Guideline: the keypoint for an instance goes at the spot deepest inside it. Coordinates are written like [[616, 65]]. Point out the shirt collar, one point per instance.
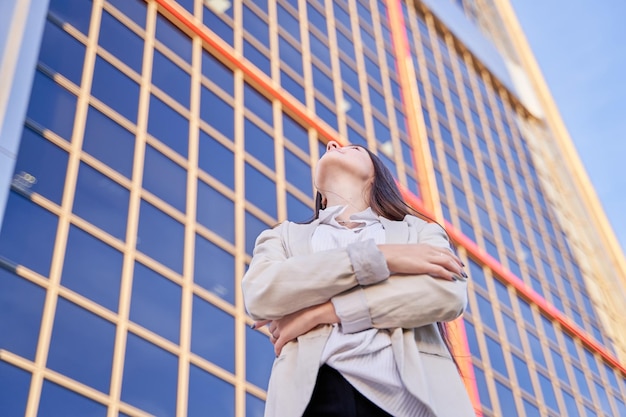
[[329, 216]]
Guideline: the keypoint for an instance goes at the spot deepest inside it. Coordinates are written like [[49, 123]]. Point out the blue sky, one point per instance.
[[579, 45]]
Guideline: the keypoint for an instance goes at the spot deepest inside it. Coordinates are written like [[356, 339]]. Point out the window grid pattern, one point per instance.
[[491, 192]]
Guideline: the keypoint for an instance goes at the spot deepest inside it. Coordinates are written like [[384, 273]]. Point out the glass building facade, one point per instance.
[[154, 140]]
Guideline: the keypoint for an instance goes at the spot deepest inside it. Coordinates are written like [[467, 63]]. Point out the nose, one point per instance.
[[332, 145]]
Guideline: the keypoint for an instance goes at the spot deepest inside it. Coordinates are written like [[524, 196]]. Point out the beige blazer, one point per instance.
[[285, 276]]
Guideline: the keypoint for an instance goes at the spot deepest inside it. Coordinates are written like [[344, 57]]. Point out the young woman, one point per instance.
[[355, 301]]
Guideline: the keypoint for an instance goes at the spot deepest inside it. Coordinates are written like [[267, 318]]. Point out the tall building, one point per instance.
[[145, 144]]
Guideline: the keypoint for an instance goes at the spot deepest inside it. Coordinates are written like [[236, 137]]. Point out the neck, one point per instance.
[[356, 199]]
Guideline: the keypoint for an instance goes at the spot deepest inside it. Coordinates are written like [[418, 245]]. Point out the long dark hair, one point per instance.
[[386, 200]]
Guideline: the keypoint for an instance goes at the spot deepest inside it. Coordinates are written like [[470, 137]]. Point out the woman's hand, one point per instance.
[[423, 258], [288, 328]]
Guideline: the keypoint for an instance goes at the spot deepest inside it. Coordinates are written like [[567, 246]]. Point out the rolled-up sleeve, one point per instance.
[[353, 311], [370, 266]]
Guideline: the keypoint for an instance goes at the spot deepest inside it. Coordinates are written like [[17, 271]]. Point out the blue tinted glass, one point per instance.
[[170, 78], [217, 72], [109, 142], [350, 76], [259, 105], [319, 49], [477, 275], [115, 89], [216, 112], [135, 9], [259, 144], [512, 331], [548, 391], [121, 41], [345, 44], [217, 160], [75, 12], [604, 400], [296, 210], [298, 173], [101, 201], [470, 332], [535, 347], [47, 95], [21, 307], [209, 395], [187, 4], [507, 402], [15, 384], [62, 53], [581, 379], [92, 268], [259, 358], [496, 356], [483, 391], [213, 334], [531, 410], [27, 234], [486, 312], [58, 401], [288, 22], [155, 303], [173, 38], [257, 57], [292, 86], [571, 346], [322, 83], [217, 25], [214, 269], [260, 190], [168, 126], [591, 362], [254, 227], [216, 211], [160, 237], [503, 294], [165, 178], [256, 26], [523, 377], [570, 405], [295, 133], [150, 377], [82, 346], [254, 405], [290, 55], [40, 166]]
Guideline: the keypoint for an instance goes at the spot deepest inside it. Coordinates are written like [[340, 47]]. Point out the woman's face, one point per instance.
[[349, 162]]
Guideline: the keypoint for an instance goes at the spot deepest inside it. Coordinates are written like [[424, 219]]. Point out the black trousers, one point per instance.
[[333, 396]]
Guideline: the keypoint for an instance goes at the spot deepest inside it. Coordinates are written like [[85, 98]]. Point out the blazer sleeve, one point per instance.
[[405, 301], [277, 284]]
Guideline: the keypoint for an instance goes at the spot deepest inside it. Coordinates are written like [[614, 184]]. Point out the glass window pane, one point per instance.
[[209, 395], [135, 9], [290, 55], [52, 106], [258, 58], [297, 211], [119, 40], [92, 268], [58, 401], [512, 331], [254, 227], [217, 160], [483, 391], [27, 234], [109, 142], [217, 72], [548, 392], [216, 211], [115, 89], [160, 237], [254, 405], [173, 38], [155, 303], [21, 307], [535, 346], [258, 104], [214, 269], [523, 377], [165, 178], [15, 384], [217, 25], [259, 144], [298, 173], [213, 334], [150, 377], [486, 312], [170, 78], [62, 53], [75, 12], [507, 402], [256, 26], [496, 356], [260, 190], [168, 126], [259, 358], [82, 346], [40, 166], [216, 112], [101, 201]]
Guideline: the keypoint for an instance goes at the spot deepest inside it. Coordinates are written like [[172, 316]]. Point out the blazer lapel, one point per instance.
[[300, 237], [395, 232]]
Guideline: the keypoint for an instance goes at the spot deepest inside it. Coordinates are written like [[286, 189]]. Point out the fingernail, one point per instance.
[[454, 278], [463, 264], [463, 274], [253, 326]]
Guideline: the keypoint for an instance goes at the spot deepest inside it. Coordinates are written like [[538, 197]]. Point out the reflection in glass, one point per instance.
[[21, 306], [58, 401], [52, 106], [92, 268], [170, 78], [507, 402], [209, 395], [165, 178], [160, 237], [217, 160], [214, 269], [298, 173], [81, 346], [27, 234], [109, 142], [173, 38], [259, 358], [258, 104], [119, 40], [260, 190], [168, 126], [75, 12], [62, 53], [101, 201], [115, 89], [254, 406], [135, 9], [150, 377], [297, 211], [15, 384], [216, 211], [40, 166], [217, 72], [217, 113], [155, 303], [254, 227], [296, 133], [213, 334], [259, 144]]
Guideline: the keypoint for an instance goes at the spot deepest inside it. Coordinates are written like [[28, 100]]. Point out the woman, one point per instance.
[[353, 300]]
